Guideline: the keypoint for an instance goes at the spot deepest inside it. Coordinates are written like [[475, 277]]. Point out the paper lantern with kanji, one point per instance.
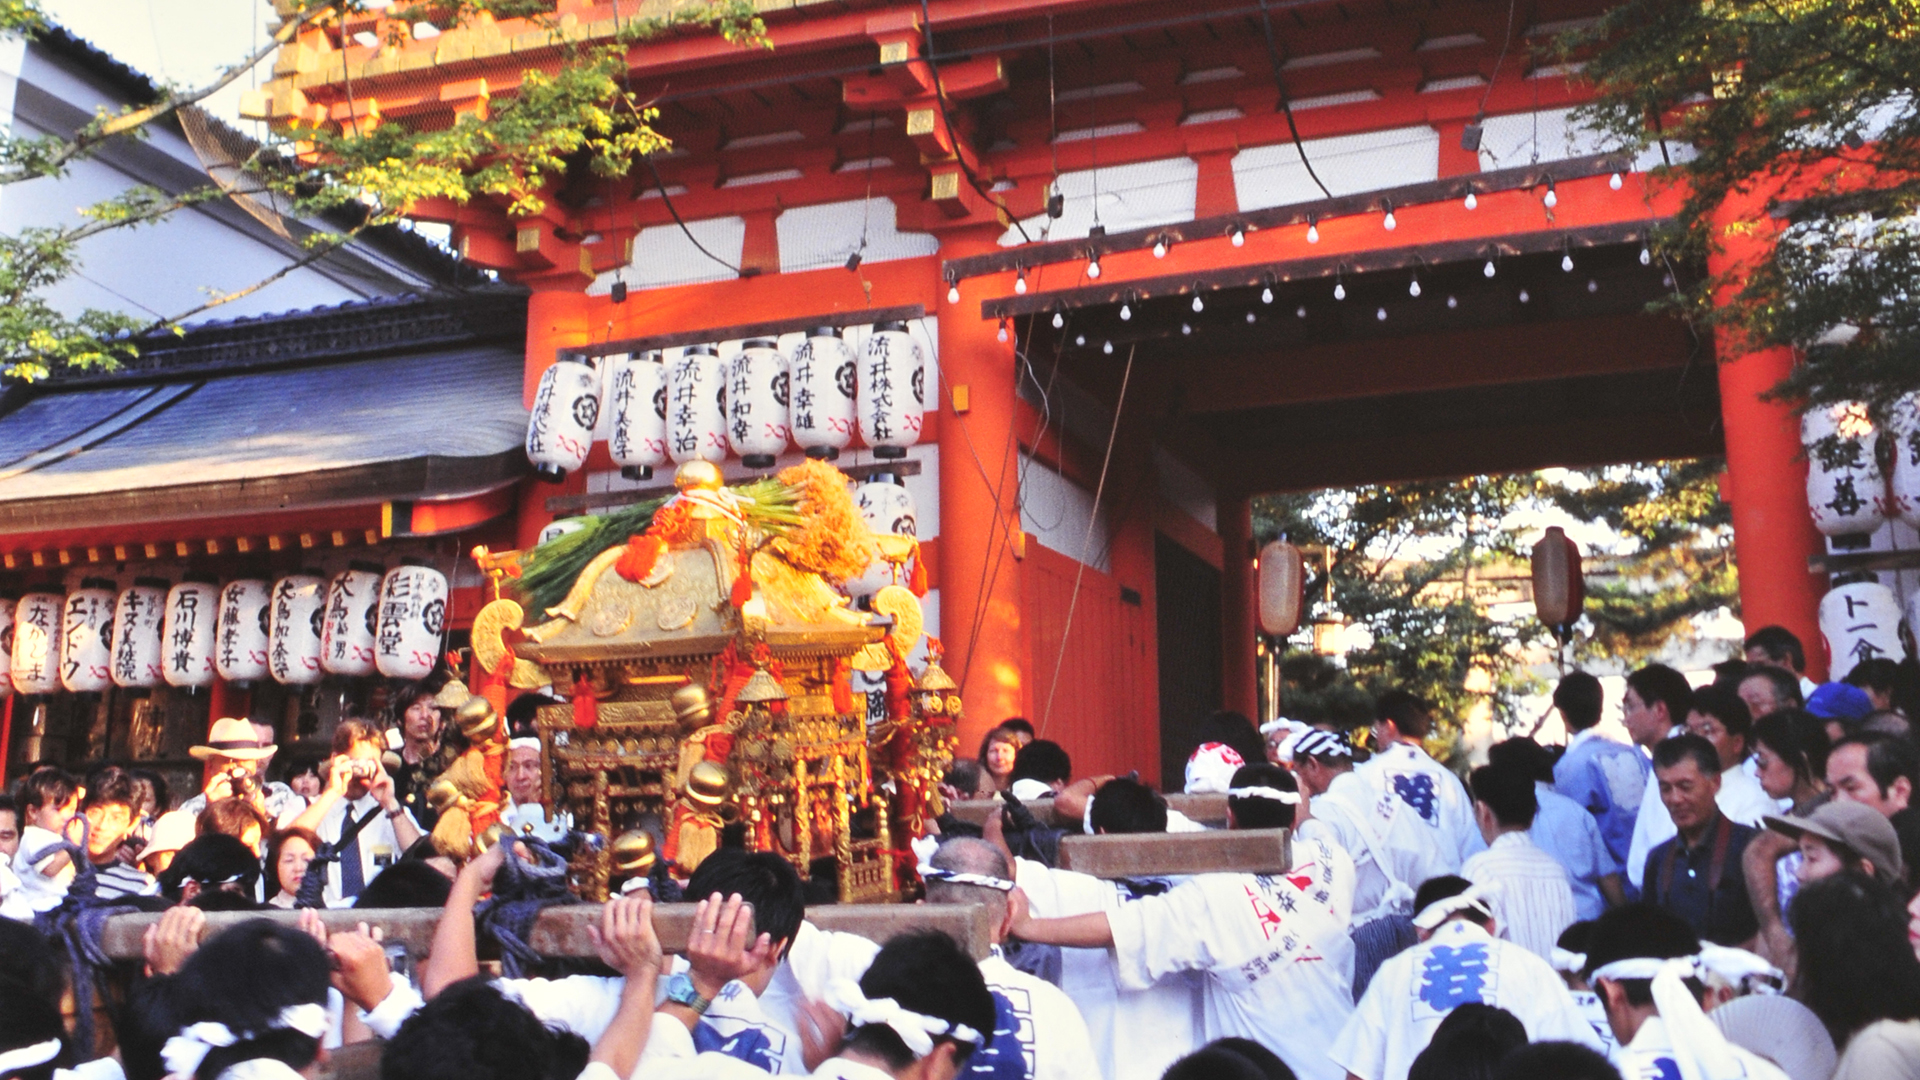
[[244, 635], [1283, 583], [413, 612], [86, 645], [6, 645], [189, 632], [892, 390], [1846, 492], [697, 405], [757, 403], [137, 619], [35, 663], [638, 401], [346, 627], [294, 628], [565, 410], [1860, 621], [1903, 483], [1559, 589], [822, 406]]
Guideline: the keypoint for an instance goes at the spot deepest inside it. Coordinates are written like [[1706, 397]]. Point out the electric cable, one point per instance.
[[1286, 107]]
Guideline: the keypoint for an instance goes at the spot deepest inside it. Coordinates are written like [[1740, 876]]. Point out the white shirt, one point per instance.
[[1534, 902], [1387, 840], [1038, 1034], [1595, 1011], [36, 892], [378, 847], [1437, 797], [283, 804], [1741, 798], [1650, 1056], [1459, 964], [1275, 950], [1136, 1032]]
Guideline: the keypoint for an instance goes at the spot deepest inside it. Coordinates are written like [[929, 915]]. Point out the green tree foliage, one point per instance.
[[581, 117], [1807, 107]]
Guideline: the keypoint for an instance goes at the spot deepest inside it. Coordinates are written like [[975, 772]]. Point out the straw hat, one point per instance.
[[236, 739]]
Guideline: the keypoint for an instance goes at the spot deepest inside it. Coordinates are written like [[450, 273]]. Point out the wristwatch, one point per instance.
[[680, 991]]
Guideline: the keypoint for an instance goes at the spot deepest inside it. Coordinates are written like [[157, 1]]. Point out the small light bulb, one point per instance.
[[1250, 317], [1126, 312], [1266, 296], [1592, 285], [1615, 181], [1553, 198], [1413, 287], [1524, 297], [1020, 283], [1390, 223], [1381, 315], [953, 294], [1093, 268], [1339, 290], [1198, 305], [1566, 262], [1186, 328], [1239, 237], [1666, 280], [1079, 339], [1488, 269], [1300, 312], [1646, 257], [1472, 200], [1453, 302], [1313, 234], [1107, 348], [1159, 249], [1003, 333], [1059, 320]]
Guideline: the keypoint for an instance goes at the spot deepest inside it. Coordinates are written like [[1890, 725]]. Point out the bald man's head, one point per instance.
[[971, 855]]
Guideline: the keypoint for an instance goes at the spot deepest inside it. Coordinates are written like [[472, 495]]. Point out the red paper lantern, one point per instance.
[[1283, 582], [1559, 591]]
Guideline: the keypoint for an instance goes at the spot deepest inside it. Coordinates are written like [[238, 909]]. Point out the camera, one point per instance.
[[239, 782]]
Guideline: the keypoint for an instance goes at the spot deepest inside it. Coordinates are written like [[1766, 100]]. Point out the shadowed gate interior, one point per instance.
[[1188, 614]]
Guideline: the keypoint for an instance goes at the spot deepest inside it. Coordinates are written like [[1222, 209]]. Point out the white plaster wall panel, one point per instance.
[[824, 234], [1273, 175], [1135, 196], [1555, 135], [664, 255], [1186, 489], [1061, 515]]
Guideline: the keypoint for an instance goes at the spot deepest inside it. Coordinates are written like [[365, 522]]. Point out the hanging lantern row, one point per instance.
[[365, 620], [1848, 493], [753, 404]]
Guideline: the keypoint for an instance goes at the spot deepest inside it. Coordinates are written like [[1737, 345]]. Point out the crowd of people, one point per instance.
[[1726, 893]]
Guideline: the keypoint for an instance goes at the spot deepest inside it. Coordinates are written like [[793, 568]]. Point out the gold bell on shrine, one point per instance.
[[633, 853], [453, 695], [477, 719], [761, 689], [707, 783], [443, 795], [691, 706]]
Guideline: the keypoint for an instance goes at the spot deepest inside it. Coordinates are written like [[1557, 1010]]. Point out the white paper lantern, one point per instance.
[[1846, 492], [293, 638], [413, 611], [697, 406], [561, 528], [346, 627], [6, 645], [35, 663], [136, 633], [190, 630], [892, 389], [240, 650], [888, 509], [823, 409], [1903, 431], [86, 642], [638, 401], [757, 400], [565, 410], [1860, 621]]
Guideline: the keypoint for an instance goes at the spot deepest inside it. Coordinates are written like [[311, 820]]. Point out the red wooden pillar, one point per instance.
[[224, 699], [1773, 533], [6, 736], [556, 319], [980, 569], [1238, 672]]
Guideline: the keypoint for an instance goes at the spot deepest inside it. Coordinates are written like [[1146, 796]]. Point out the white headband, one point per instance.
[[1702, 1050], [1441, 910], [1271, 794], [26, 1057], [1316, 743], [1733, 965], [1573, 963], [184, 1052], [955, 877], [915, 1029], [524, 742]]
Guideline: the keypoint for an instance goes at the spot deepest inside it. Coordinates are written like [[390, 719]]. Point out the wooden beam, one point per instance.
[[904, 313], [1250, 851], [1849, 561], [562, 931], [1205, 809]]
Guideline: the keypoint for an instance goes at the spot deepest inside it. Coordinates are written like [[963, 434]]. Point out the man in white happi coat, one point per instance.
[[1400, 767], [1459, 961], [1274, 948], [1136, 1031], [1038, 1034]]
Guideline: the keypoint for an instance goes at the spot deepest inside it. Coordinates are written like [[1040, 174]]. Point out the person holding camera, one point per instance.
[[358, 814], [235, 757]]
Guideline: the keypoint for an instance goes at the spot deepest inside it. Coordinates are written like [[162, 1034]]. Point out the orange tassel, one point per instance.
[[586, 711], [638, 560], [743, 582], [917, 581], [842, 686]]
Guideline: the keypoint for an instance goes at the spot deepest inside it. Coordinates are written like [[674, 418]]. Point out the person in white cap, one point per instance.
[[1458, 961], [235, 760], [1274, 948], [526, 814], [1645, 964]]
